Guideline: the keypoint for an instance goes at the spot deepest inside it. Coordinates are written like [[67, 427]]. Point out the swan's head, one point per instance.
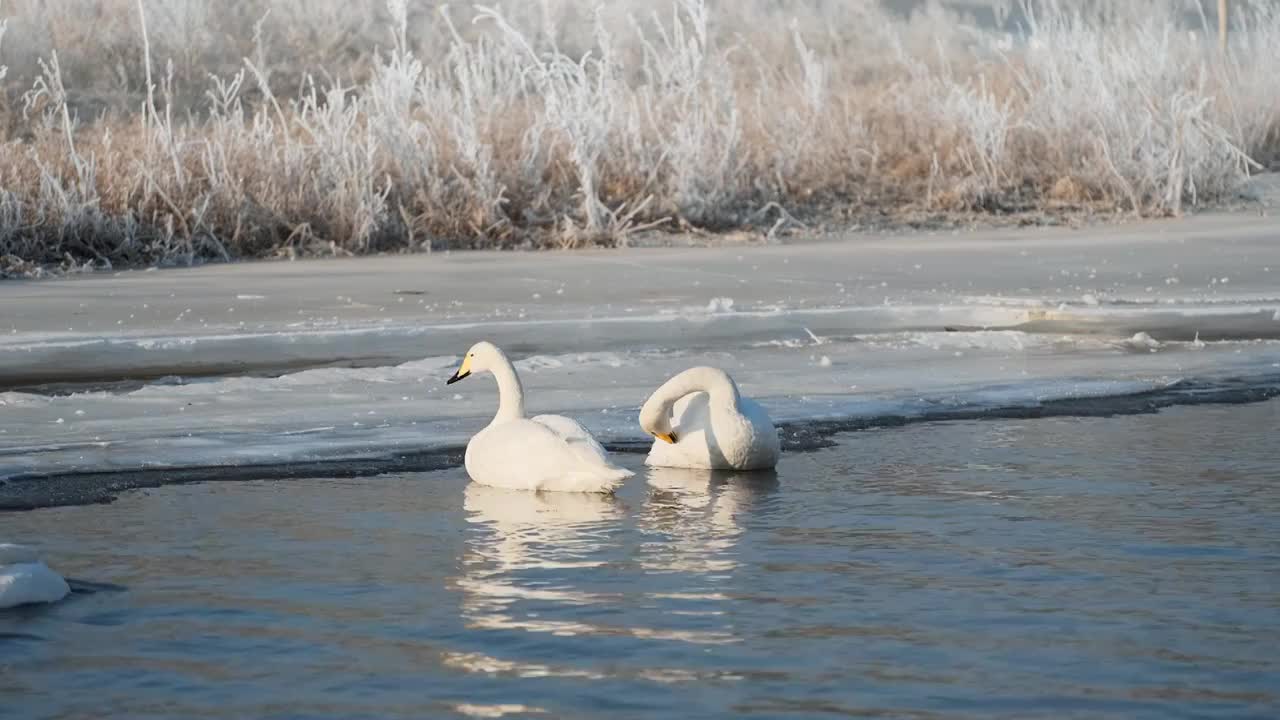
[[482, 357], [655, 419]]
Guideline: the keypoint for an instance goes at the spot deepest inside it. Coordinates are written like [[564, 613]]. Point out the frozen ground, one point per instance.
[[276, 364]]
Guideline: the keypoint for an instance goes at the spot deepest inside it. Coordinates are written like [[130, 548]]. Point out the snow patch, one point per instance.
[[537, 363], [1143, 341], [720, 305]]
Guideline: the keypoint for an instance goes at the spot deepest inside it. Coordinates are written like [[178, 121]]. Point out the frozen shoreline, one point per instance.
[[139, 374], [1213, 274]]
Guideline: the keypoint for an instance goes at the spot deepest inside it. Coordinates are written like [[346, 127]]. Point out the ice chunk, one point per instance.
[[1143, 341], [720, 305], [25, 580]]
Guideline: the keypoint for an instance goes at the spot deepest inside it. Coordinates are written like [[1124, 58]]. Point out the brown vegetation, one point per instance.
[[148, 131]]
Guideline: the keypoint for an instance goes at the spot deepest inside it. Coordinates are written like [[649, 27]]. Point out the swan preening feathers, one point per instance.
[[545, 452], [701, 420]]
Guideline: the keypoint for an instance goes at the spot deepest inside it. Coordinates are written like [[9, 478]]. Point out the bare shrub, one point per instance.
[[174, 131]]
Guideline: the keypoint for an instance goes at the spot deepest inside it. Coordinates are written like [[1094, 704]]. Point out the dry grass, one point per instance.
[[171, 131]]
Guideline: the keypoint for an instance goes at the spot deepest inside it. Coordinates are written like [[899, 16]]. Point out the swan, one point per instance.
[[545, 452], [701, 421], [25, 580]]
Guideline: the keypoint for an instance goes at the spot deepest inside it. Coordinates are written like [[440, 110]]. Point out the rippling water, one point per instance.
[[1114, 567]]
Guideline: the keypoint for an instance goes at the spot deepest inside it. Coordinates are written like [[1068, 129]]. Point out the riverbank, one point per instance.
[[338, 366]]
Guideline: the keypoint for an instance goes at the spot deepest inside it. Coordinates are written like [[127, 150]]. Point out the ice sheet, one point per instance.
[[282, 363]]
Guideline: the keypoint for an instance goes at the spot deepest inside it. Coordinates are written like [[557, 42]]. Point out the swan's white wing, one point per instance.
[[766, 445], [572, 432], [532, 455], [517, 454], [585, 447]]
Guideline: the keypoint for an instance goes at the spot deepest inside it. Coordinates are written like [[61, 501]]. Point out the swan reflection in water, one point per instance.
[[699, 513], [532, 547], [541, 562]]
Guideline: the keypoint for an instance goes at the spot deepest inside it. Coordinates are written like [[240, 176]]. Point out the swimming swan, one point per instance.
[[546, 452], [701, 421], [25, 580]]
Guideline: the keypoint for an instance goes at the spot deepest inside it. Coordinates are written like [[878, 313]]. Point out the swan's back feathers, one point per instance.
[[766, 435], [587, 449], [572, 432], [541, 454]]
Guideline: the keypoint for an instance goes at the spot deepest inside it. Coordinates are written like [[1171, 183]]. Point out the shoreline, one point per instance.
[[22, 493], [340, 363], [1259, 196]]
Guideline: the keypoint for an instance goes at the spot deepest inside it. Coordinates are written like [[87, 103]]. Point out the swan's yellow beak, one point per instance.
[[463, 371], [666, 437]]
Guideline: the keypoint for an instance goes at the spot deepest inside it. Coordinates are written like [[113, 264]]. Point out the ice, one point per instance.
[[322, 363], [538, 363], [1143, 341], [26, 580], [325, 414], [720, 305]]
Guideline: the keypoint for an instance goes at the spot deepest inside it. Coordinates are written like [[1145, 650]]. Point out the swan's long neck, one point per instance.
[[716, 383], [510, 391]]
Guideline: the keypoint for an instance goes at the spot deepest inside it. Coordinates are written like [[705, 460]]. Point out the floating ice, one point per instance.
[[26, 580], [1143, 341], [720, 305]]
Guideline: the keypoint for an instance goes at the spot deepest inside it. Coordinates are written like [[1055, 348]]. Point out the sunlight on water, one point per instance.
[[1108, 567]]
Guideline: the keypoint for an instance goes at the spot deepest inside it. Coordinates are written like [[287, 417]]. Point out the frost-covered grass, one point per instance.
[[144, 131]]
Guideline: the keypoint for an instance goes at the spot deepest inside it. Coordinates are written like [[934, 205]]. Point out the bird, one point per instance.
[[700, 420], [545, 452]]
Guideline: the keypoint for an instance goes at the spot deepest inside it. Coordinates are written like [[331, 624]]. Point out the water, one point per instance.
[[1066, 567]]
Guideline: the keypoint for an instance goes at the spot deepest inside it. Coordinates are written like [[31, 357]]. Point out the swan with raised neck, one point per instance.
[[545, 452]]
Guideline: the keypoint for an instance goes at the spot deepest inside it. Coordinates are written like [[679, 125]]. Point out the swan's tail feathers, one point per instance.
[[605, 479]]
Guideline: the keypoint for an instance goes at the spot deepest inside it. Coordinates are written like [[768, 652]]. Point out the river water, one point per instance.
[[1059, 567]]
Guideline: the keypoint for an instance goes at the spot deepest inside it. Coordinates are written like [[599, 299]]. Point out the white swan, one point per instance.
[[701, 421], [546, 452], [25, 580]]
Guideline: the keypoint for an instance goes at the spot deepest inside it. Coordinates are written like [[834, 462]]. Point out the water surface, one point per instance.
[[1065, 567]]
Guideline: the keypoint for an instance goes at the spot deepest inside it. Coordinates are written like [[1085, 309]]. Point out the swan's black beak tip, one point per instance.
[[666, 437], [456, 377]]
